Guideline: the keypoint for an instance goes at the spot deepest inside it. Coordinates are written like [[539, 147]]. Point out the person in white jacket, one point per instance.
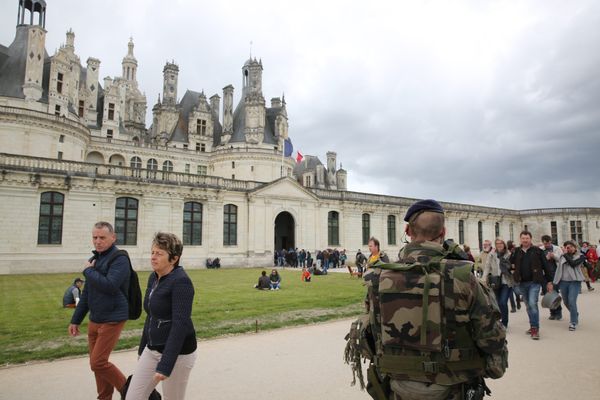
[[568, 278], [497, 275], [553, 254]]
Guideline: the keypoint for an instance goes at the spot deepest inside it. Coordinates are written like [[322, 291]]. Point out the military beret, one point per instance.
[[421, 206]]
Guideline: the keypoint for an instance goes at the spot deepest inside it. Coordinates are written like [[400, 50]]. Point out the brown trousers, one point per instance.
[[102, 339]]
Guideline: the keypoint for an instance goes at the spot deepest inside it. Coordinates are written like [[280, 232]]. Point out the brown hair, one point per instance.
[[169, 243], [375, 241]]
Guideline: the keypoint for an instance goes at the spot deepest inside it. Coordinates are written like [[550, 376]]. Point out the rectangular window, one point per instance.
[[60, 155], [111, 111], [391, 225], [554, 232], [51, 218], [497, 229], [307, 182], [61, 139], [185, 146], [512, 232], [480, 234], [233, 177], [81, 108], [230, 225], [201, 169], [197, 146], [333, 228], [461, 232], [57, 110], [252, 168], [187, 168], [202, 148], [576, 231], [109, 133], [366, 228], [192, 224], [201, 127], [59, 82], [126, 216], [233, 165]]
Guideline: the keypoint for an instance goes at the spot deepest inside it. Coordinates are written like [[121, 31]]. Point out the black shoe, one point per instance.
[[552, 318], [513, 310]]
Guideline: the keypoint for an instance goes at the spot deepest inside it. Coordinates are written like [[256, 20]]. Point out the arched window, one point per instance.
[[192, 223], [136, 166], [152, 166], [480, 234], [391, 226], [51, 218], [126, 216], [497, 229], [230, 225], [167, 166], [366, 228], [136, 162], [333, 228], [461, 231]]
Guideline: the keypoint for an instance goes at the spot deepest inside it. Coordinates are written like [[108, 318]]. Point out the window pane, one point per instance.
[[187, 216], [44, 209], [120, 213], [58, 210], [46, 197], [131, 214]]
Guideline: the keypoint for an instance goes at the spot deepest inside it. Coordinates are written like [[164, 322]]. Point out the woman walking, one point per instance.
[[497, 273], [568, 277], [168, 347]]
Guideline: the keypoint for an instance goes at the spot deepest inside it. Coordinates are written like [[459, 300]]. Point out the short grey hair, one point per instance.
[[104, 224]]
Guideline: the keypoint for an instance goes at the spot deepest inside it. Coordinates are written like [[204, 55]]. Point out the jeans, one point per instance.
[[531, 293], [275, 285], [102, 339], [570, 291], [502, 295]]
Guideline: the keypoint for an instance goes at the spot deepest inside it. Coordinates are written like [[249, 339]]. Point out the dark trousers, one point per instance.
[[102, 339]]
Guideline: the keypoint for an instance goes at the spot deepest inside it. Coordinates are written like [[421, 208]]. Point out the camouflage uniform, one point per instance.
[[463, 340]]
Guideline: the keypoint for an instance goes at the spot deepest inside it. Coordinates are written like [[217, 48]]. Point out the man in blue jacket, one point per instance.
[[105, 298]]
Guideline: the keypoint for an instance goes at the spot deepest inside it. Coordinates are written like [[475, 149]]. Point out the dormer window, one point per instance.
[[201, 127]]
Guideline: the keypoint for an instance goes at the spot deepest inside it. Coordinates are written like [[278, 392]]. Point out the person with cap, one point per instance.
[[432, 330], [568, 278], [72, 294]]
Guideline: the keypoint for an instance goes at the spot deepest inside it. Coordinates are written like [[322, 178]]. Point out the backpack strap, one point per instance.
[[114, 257]]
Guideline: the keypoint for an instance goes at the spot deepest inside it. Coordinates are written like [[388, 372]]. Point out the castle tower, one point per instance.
[[227, 114], [91, 83], [130, 65], [35, 36], [255, 115], [170, 75], [252, 77], [331, 156]]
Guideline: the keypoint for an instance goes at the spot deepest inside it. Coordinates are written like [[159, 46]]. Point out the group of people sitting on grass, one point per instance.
[[271, 282]]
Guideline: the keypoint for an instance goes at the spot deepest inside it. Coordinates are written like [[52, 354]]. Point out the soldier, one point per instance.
[[432, 330]]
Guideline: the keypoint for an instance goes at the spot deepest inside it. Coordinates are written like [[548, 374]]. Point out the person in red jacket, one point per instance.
[[592, 258], [305, 277]]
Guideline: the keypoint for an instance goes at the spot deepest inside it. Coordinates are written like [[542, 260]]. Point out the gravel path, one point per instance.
[[306, 363]]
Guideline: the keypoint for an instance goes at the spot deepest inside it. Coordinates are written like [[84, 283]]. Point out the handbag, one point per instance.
[[494, 282], [155, 395]]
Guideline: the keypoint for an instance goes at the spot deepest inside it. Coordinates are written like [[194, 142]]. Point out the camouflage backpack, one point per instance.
[[411, 330]]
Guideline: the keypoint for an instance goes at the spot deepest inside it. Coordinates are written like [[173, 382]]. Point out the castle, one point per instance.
[[76, 150]]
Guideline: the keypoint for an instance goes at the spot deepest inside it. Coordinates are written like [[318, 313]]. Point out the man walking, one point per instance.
[[552, 254], [531, 272], [105, 298]]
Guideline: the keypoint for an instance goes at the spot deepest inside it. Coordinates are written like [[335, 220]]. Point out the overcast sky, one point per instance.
[[489, 103]]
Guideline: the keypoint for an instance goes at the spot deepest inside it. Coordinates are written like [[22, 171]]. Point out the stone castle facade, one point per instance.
[[75, 149]]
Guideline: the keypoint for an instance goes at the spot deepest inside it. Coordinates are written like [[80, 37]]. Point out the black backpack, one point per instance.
[[134, 293]]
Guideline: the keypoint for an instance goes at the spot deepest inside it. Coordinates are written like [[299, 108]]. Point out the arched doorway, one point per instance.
[[284, 231]]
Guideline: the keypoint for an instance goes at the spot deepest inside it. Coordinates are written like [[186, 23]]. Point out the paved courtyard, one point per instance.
[[306, 363]]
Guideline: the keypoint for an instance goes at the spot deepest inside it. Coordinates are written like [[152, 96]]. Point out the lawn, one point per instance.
[[33, 325]]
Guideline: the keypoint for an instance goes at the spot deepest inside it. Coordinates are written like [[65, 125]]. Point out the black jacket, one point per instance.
[[540, 270], [168, 328], [105, 288]]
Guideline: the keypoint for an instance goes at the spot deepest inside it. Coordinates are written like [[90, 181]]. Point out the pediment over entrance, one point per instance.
[[284, 188]]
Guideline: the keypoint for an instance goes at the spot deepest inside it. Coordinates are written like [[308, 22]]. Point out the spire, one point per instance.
[[130, 47]]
